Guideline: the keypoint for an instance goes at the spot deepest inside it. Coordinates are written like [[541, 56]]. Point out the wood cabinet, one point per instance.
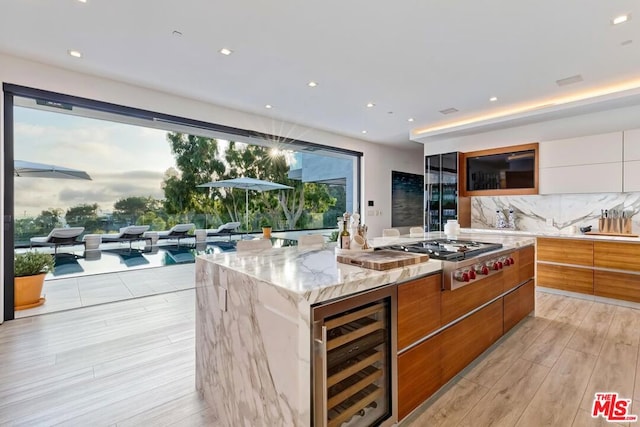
[[509, 170], [418, 309], [526, 263], [467, 298], [425, 368], [566, 251], [617, 285], [465, 340], [616, 255], [566, 278], [426, 359], [518, 304], [419, 374], [597, 277]]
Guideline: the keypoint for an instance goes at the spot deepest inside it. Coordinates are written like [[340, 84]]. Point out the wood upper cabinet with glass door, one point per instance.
[[501, 171]]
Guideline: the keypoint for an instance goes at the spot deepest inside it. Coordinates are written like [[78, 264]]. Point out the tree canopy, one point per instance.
[[282, 208]]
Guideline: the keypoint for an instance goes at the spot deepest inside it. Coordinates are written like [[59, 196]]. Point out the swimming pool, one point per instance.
[[121, 258]]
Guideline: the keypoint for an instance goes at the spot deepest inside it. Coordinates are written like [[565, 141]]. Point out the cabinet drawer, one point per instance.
[[620, 256], [526, 263], [518, 304], [566, 278], [565, 251], [419, 374], [511, 273], [467, 298], [617, 285], [464, 341], [418, 309]]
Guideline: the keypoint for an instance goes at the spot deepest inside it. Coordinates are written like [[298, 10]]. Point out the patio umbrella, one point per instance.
[[40, 170], [247, 184]]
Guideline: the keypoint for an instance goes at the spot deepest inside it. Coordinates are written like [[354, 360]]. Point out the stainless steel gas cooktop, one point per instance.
[[448, 250]]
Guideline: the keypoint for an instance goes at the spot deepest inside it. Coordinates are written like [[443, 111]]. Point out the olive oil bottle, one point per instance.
[[345, 236]]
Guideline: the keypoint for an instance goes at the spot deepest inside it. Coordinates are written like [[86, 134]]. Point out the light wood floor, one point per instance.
[[131, 363]]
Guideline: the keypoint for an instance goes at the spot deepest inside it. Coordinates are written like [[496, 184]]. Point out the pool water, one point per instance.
[[122, 258]]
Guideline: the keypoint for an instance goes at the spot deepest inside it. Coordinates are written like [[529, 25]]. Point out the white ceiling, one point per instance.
[[412, 58]]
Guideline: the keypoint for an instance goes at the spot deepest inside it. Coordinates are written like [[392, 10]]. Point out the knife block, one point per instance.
[[615, 225]]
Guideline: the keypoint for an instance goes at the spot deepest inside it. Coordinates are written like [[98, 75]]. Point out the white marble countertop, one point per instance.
[[551, 233], [315, 275]]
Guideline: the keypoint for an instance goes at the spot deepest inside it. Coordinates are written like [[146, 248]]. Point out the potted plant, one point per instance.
[[266, 228], [29, 270]]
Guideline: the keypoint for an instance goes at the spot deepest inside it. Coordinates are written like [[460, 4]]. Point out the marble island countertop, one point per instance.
[[314, 274]]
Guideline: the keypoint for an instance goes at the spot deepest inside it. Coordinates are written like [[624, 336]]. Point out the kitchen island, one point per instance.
[[253, 326]]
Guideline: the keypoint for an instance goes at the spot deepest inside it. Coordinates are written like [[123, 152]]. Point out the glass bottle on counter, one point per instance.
[[345, 236]]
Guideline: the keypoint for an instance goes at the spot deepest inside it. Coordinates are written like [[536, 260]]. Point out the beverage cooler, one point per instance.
[[353, 364], [442, 189]]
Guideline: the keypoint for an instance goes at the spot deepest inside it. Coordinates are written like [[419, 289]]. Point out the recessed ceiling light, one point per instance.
[[268, 106], [626, 42], [371, 105], [449, 110], [620, 19], [410, 119], [226, 51], [312, 84], [74, 53], [493, 99], [364, 131], [82, 1]]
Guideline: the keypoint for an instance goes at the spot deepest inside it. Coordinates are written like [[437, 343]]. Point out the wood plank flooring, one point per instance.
[[131, 363]]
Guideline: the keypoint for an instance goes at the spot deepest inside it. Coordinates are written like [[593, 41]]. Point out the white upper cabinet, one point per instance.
[[589, 164], [585, 150], [632, 144], [631, 163]]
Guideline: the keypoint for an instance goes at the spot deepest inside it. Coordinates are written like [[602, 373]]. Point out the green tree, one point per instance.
[[197, 163], [278, 207], [84, 215], [131, 208], [48, 219]]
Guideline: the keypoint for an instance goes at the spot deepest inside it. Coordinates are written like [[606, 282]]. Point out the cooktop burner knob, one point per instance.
[[461, 276], [485, 270], [472, 274], [500, 265], [512, 261], [507, 262]]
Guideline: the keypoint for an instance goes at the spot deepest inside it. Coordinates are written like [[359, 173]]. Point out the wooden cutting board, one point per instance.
[[382, 260]]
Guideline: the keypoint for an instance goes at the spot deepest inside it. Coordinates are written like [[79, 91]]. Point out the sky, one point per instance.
[[122, 160]]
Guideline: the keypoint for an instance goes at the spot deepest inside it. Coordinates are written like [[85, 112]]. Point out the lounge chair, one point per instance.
[[59, 237], [178, 231], [131, 233], [224, 230]]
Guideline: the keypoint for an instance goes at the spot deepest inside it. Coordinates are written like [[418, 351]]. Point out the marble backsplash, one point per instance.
[[566, 210]]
